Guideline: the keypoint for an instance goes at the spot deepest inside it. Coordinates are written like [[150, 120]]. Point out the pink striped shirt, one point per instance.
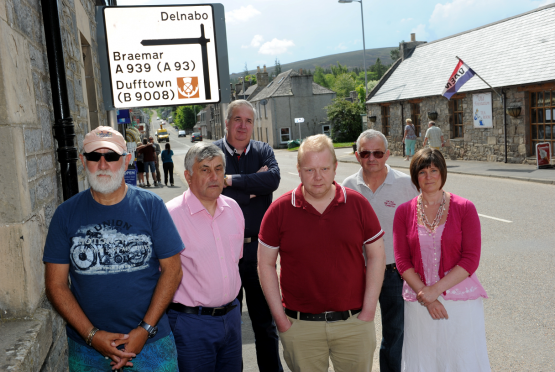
[[213, 247]]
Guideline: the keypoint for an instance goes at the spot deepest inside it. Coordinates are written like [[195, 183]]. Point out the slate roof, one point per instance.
[[514, 51], [281, 87]]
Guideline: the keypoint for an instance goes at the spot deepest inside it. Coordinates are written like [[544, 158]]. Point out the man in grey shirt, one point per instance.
[[157, 163], [385, 189]]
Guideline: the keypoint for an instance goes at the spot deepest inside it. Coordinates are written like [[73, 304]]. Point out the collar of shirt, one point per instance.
[[232, 151], [298, 200], [389, 179], [194, 205]]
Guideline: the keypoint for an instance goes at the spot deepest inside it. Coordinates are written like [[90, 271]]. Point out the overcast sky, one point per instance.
[[259, 31]]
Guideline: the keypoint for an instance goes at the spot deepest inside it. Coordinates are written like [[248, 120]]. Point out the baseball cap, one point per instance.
[[105, 137]]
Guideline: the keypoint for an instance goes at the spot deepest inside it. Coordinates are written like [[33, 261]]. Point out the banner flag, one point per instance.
[[460, 75]]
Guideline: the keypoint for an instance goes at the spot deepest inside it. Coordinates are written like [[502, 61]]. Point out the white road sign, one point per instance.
[[162, 55], [299, 120]]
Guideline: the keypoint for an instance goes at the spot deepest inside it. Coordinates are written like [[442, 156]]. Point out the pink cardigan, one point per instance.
[[461, 240]]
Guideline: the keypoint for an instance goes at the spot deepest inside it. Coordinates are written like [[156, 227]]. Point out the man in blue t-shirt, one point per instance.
[[120, 248]]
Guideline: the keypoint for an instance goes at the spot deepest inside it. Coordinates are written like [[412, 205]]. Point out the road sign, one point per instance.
[[299, 120], [164, 55]]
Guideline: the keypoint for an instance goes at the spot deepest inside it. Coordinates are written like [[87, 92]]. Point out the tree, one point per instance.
[[344, 84], [320, 77], [277, 68], [251, 78], [346, 119], [339, 69], [394, 54], [379, 69], [185, 117]]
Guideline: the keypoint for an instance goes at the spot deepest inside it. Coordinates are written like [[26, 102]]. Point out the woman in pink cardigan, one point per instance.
[[437, 243]]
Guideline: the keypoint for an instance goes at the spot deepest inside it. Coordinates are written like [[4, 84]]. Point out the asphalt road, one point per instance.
[[516, 267]]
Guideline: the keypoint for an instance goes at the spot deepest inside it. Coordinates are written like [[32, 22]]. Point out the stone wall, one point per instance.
[[30, 190], [487, 144]]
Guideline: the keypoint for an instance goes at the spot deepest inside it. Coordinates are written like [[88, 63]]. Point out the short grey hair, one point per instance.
[[432, 122], [369, 134], [201, 151], [238, 103]]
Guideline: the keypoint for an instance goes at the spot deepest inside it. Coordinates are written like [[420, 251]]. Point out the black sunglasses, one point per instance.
[[377, 154], [95, 156]]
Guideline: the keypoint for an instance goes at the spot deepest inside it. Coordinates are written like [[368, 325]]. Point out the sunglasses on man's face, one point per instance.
[[95, 156], [377, 154]]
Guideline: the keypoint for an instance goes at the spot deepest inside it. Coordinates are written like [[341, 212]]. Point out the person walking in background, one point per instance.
[[434, 136], [149, 159], [167, 164], [409, 139], [204, 314], [252, 175], [156, 158], [385, 188], [437, 244], [141, 169]]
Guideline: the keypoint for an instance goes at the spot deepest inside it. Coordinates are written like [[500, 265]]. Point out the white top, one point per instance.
[[396, 190]]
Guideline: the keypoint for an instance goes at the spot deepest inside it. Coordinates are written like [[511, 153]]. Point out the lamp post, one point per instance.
[[363, 45]]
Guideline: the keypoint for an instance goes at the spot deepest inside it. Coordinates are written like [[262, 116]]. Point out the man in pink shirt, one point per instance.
[[204, 314]]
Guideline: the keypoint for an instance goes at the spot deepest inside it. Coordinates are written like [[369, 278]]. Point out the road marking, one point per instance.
[[494, 218], [294, 174]]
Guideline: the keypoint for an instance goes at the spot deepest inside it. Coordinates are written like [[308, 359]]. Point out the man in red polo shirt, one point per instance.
[[328, 293]]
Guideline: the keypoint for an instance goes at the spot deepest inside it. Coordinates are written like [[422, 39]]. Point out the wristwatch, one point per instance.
[[225, 181], [152, 331]]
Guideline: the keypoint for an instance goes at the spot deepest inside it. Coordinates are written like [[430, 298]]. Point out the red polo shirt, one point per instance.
[[322, 266]]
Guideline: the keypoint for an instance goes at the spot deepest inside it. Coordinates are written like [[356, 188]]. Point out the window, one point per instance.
[[542, 112], [385, 120], [415, 117], [326, 129], [285, 134], [458, 129]]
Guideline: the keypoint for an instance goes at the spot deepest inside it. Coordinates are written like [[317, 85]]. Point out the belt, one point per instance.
[[391, 267], [328, 316], [213, 311], [249, 239]]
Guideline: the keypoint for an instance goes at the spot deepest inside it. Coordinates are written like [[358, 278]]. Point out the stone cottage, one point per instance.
[[511, 55], [289, 96]]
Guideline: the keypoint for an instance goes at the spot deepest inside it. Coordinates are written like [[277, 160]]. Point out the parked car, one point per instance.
[[182, 133], [196, 137]]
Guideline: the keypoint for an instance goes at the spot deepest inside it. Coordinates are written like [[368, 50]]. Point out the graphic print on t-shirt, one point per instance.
[[101, 249]]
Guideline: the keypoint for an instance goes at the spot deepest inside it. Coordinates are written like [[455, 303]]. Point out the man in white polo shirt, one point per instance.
[[385, 189]]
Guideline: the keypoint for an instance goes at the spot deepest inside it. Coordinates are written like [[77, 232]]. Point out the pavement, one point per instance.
[[520, 172]]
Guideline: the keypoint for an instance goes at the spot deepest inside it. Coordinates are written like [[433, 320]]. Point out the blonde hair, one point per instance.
[[409, 121], [316, 143]]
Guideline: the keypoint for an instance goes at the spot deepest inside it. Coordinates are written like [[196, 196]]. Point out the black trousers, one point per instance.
[[263, 325], [168, 167]]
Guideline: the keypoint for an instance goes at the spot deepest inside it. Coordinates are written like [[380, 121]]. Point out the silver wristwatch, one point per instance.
[[150, 329]]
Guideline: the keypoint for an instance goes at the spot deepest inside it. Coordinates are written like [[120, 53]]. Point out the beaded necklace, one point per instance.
[[435, 223]]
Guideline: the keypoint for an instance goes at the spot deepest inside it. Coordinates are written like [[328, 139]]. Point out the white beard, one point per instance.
[[105, 185]]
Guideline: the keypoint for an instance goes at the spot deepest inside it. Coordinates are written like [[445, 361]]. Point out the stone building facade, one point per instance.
[[412, 88], [32, 333]]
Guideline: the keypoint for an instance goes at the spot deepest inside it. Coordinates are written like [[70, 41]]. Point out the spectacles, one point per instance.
[[95, 156], [377, 154]]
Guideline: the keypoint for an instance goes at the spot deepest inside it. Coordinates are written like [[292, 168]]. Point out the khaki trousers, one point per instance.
[[350, 344]]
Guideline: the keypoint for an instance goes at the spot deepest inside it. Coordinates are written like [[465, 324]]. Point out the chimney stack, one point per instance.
[[412, 37], [262, 78]]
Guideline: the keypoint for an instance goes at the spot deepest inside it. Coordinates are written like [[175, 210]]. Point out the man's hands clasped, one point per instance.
[[106, 344]]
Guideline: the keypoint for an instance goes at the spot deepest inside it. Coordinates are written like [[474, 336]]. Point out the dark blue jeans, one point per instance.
[[393, 314], [207, 343], [263, 325]]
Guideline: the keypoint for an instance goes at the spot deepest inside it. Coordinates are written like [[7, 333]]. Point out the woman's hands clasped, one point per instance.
[[428, 297]]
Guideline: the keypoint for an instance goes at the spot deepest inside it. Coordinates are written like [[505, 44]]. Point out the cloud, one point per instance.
[[341, 46], [242, 14], [543, 3], [275, 46], [255, 43]]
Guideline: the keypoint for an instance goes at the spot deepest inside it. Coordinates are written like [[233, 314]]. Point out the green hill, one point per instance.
[[351, 59]]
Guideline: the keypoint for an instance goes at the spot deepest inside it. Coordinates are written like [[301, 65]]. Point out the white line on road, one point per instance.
[[494, 218]]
